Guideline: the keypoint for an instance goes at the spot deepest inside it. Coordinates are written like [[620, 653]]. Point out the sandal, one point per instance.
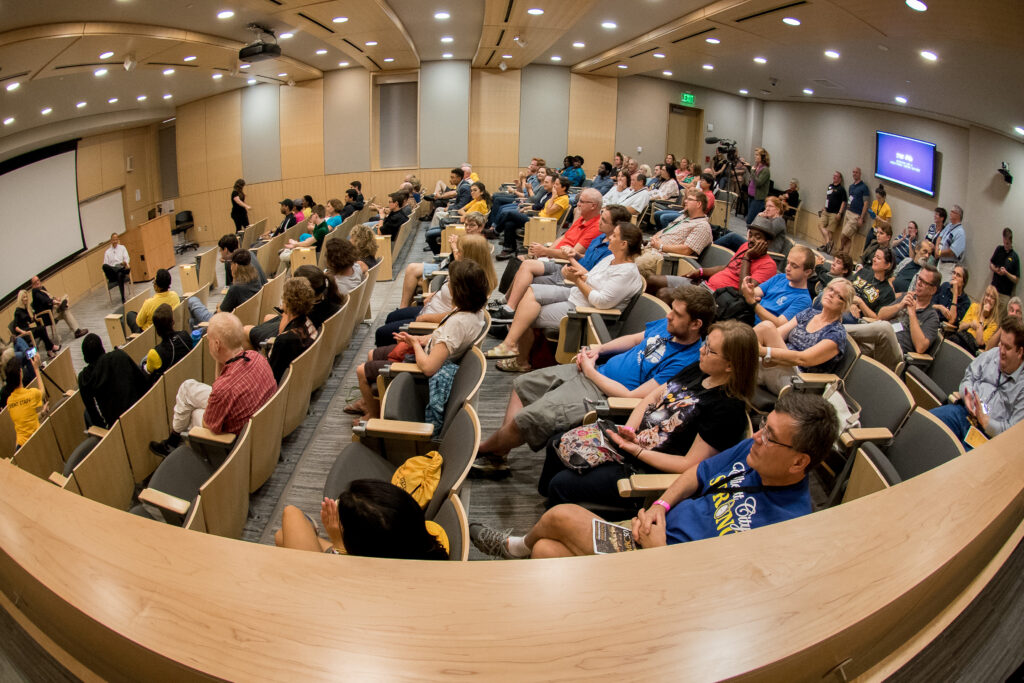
[[502, 350], [512, 365], [355, 408]]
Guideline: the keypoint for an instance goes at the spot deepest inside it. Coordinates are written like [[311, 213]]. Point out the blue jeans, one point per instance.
[[731, 240], [499, 201], [955, 417], [664, 217], [755, 207], [198, 311]]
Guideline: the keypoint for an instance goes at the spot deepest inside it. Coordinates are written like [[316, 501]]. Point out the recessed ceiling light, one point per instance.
[[281, 75], [831, 54], [713, 41], [251, 81], [217, 77], [622, 66], [442, 15], [917, 5], [286, 36], [666, 73], [46, 111], [168, 72], [245, 66], [99, 72], [112, 100], [190, 58], [791, 21], [106, 55], [808, 91], [81, 104], [930, 56], [506, 56], [709, 67], [167, 96], [579, 43], [447, 55], [389, 59], [226, 14], [9, 120], [11, 87], [342, 63], [340, 20], [321, 52], [371, 43], [1018, 130], [744, 91], [447, 39], [658, 55], [760, 60], [609, 24], [555, 58], [535, 11], [141, 98], [901, 99]]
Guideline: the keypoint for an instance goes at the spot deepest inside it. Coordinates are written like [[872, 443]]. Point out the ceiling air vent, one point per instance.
[[825, 83], [693, 35], [770, 11]]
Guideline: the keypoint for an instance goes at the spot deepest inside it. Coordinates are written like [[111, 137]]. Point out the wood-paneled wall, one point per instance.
[[494, 119], [592, 107], [102, 162], [302, 131]]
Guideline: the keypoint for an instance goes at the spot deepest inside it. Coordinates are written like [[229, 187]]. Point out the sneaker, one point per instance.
[[490, 541], [505, 255], [167, 446], [490, 466], [503, 314], [81, 332], [490, 234]]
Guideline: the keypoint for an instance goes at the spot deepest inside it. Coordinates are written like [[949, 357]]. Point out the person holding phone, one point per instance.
[[24, 404]]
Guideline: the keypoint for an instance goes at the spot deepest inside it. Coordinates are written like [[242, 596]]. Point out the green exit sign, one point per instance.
[[686, 98]]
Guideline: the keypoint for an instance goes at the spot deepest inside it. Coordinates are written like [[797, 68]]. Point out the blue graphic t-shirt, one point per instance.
[[596, 250], [724, 513], [657, 356], [781, 298]]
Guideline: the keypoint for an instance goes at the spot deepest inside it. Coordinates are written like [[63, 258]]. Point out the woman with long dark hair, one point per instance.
[[239, 209]]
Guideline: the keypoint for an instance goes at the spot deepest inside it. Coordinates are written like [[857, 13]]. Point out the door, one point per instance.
[[684, 129]]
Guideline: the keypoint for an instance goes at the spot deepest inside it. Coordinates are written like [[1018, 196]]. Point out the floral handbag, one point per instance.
[[585, 447]]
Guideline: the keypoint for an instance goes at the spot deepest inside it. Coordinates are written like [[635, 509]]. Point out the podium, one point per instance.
[[151, 247]]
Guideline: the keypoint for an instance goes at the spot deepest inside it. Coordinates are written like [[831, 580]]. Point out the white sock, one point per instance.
[[517, 546]]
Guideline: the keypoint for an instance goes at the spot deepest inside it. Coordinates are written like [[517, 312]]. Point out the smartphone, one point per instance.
[[31, 353]]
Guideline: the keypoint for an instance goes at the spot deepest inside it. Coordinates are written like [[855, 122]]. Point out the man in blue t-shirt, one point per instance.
[[553, 399], [784, 295], [757, 482], [859, 200]]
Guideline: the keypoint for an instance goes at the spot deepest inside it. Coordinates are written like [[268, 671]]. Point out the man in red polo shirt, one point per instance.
[[573, 243], [244, 383]]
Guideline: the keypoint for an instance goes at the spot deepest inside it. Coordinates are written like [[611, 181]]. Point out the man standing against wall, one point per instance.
[[951, 244], [1005, 267], [859, 198]]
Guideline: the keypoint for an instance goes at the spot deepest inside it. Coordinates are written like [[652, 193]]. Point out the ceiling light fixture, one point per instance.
[[167, 96], [217, 77], [712, 41], [168, 72], [760, 60], [286, 36], [831, 54], [506, 56], [339, 20], [251, 81], [190, 58], [609, 25], [106, 55], [342, 64], [622, 66], [371, 43], [447, 55], [99, 72], [245, 66], [46, 111], [917, 5], [666, 73], [442, 15], [555, 58], [1018, 130], [9, 120], [535, 11], [226, 14], [791, 21], [321, 52], [389, 59], [579, 43], [112, 100], [709, 67], [281, 75], [744, 91], [929, 55], [11, 87], [81, 104], [447, 39], [808, 91], [141, 98], [658, 55], [901, 99]]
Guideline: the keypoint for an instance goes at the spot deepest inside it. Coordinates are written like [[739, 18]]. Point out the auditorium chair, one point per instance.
[[249, 310], [932, 386], [104, 475], [303, 370], [351, 319], [764, 400], [182, 224], [8, 437], [458, 448], [331, 333], [452, 518], [270, 296], [584, 325], [267, 431]]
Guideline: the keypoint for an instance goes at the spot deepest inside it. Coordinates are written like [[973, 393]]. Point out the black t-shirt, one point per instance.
[[238, 294], [835, 195], [236, 210], [876, 293], [687, 410], [1010, 261]]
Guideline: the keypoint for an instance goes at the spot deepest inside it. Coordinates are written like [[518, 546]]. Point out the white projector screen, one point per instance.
[[102, 216], [32, 242]]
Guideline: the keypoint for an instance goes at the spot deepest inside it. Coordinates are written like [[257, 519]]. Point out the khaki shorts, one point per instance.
[[828, 221], [850, 227]]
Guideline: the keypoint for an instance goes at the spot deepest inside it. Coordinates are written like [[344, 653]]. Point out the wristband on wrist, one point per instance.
[[768, 353], [700, 274], [663, 504]]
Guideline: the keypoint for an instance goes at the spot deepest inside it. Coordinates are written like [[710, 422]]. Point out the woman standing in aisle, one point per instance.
[[239, 209]]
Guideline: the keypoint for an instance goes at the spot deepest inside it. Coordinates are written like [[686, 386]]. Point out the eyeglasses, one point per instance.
[[933, 285], [762, 430], [706, 348]]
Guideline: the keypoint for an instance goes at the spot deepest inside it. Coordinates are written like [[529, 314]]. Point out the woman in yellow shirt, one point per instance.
[[980, 323], [481, 200], [881, 212], [559, 202]]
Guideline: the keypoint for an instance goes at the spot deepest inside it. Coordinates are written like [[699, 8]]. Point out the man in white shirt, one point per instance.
[[116, 262], [638, 199]]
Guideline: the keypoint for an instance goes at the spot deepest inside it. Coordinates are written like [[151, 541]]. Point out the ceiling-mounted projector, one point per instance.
[[258, 50]]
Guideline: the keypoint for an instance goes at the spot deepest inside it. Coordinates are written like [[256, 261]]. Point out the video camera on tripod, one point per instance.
[[726, 147]]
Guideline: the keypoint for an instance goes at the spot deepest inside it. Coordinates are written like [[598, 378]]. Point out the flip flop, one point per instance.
[[512, 365], [354, 408], [502, 351]]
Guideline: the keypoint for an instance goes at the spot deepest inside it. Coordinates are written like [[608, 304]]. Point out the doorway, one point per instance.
[[684, 132]]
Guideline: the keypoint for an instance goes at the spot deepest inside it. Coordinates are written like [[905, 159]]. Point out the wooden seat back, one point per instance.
[[189, 367], [542, 230], [195, 520], [115, 329], [188, 277], [105, 475], [182, 319], [267, 430], [271, 296], [59, 375], [330, 331], [135, 303], [384, 257], [8, 437], [371, 279], [40, 455], [206, 267], [138, 347], [303, 256], [68, 421], [249, 310], [405, 231], [303, 369], [352, 310], [225, 495], [147, 420], [266, 256]]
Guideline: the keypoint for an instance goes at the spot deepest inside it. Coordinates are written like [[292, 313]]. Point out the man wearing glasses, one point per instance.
[[759, 481], [688, 235], [909, 325]]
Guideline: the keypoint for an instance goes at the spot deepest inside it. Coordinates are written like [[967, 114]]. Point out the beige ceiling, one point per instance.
[[52, 48]]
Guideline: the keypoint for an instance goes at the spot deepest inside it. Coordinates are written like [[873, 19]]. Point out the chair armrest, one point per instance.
[[224, 291], [918, 359], [439, 273], [58, 479], [165, 501], [813, 381], [133, 335], [606, 312], [404, 367], [623, 404], [398, 429], [204, 324], [642, 485], [204, 434], [954, 397], [422, 327], [98, 432], [858, 435], [186, 295], [560, 261], [949, 327]]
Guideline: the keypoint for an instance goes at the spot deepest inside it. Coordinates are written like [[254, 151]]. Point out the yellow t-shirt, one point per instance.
[[149, 306], [22, 406], [555, 207], [476, 205], [883, 211], [974, 315]]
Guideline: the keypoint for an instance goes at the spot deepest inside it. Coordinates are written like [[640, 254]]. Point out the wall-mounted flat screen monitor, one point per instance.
[[905, 161]]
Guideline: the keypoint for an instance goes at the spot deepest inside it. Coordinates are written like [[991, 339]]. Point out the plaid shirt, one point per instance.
[[246, 383]]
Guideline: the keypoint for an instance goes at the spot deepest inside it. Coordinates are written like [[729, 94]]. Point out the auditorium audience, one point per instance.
[[603, 181], [553, 207], [951, 243], [24, 404], [688, 235], [783, 295], [770, 218], [906, 272], [882, 240], [172, 347], [760, 179], [116, 262], [363, 240], [951, 301], [244, 285], [319, 229], [759, 481], [871, 283], [459, 195], [978, 326], [506, 204], [907, 242], [790, 199], [228, 245], [327, 299], [841, 265], [59, 309], [110, 383], [295, 331], [25, 321], [881, 214], [162, 294], [391, 217]]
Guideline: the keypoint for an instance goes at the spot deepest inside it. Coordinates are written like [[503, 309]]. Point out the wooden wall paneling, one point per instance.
[[220, 213], [494, 117], [94, 267], [199, 205], [493, 176], [74, 280], [264, 198], [302, 130], [190, 143], [141, 145], [311, 185], [112, 160], [335, 184], [224, 141], [592, 106], [89, 168]]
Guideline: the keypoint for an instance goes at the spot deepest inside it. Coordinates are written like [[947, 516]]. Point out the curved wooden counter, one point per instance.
[[129, 598]]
